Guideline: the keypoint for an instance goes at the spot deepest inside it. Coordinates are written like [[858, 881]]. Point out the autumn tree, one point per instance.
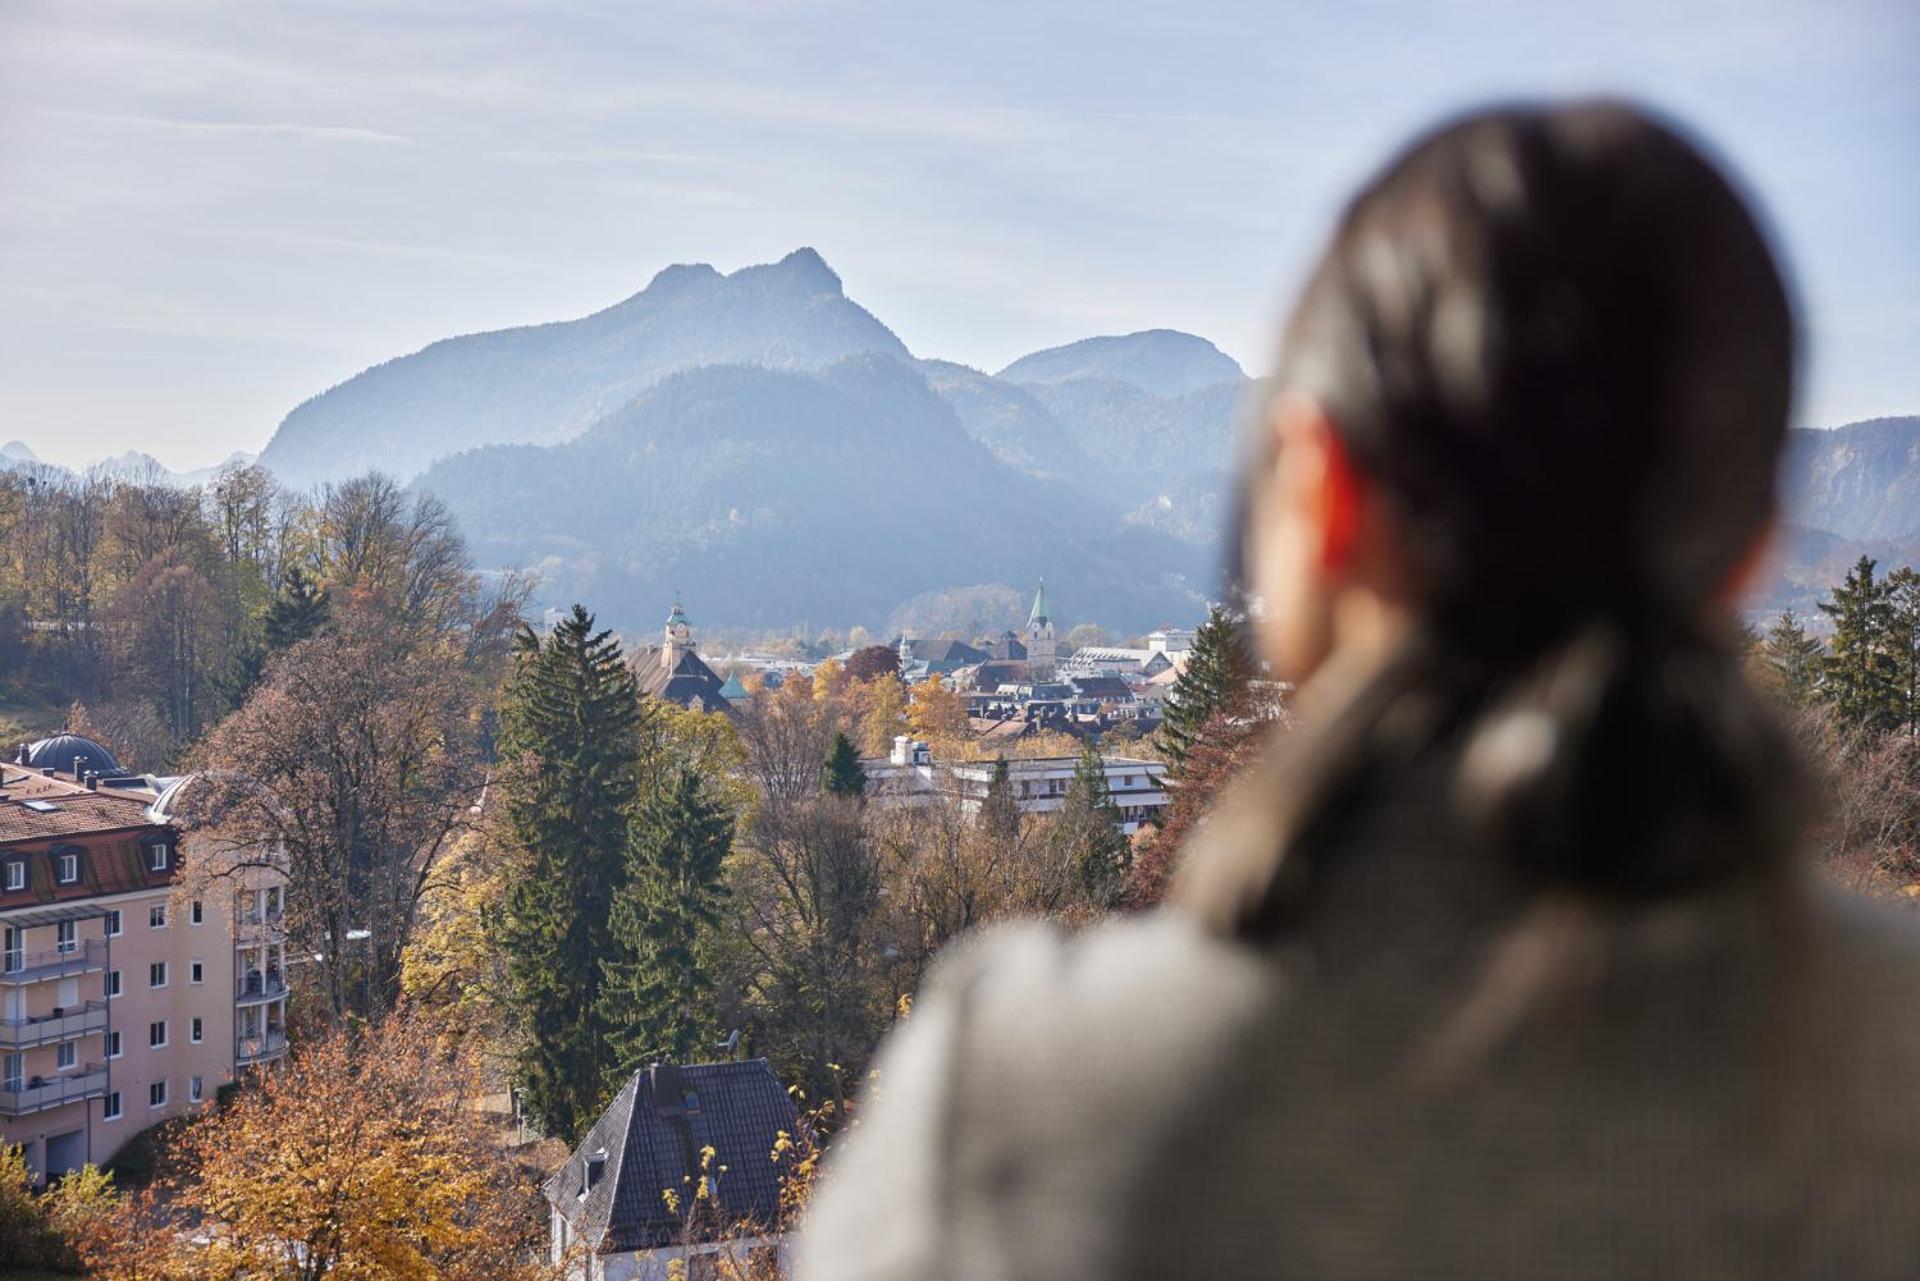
[[880, 711], [353, 765], [1225, 747], [936, 713], [872, 661], [362, 1156], [572, 719]]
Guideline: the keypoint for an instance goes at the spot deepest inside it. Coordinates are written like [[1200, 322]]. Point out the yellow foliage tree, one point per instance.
[[881, 706], [361, 1158], [937, 713]]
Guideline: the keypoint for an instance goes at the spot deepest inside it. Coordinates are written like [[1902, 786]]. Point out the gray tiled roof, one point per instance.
[[653, 1141], [689, 678]]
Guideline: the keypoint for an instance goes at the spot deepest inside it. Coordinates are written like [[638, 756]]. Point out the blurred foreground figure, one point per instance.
[[1501, 967]]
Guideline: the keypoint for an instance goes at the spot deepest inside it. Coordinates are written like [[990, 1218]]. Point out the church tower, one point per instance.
[[679, 637], [1041, 651]]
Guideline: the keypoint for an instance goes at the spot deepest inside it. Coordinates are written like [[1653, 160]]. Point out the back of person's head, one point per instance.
[[1555, 347]]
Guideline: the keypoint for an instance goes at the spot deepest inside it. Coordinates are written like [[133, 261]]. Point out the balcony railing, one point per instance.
[[256, 985], [35, 967], [271, 928], [36, 1094], [47, 1029], [259, 1049]]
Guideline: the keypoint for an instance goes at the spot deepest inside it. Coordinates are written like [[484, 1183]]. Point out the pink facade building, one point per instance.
[[124, 1001]]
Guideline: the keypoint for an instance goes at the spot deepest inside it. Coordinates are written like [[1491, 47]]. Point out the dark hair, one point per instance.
[[1556, 341]]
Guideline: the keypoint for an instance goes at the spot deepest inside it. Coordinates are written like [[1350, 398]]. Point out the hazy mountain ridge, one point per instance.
[[1162, 362], [773, 495], [545, 383]]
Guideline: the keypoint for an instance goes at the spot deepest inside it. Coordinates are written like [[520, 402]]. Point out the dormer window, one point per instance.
[[593, 1168], [67, 867], [159, 856], [16, 874]]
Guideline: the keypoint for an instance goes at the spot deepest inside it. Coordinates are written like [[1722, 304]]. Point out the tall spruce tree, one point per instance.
[[1795, 658], [999, 812], [571, 734], [299, 610], [1903, 643], [1087, 829], [1859, 674], [1218, 670], [842, 775], [657, 1001]]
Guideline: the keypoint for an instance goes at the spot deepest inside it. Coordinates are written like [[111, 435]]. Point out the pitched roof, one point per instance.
[[687, 679], [36, 807], [950, 652], [652, 1135]]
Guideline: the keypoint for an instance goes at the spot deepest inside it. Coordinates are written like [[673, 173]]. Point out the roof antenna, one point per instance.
[[731, 1046]]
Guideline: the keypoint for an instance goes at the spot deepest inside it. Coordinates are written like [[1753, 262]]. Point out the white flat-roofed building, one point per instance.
[[911, 776]]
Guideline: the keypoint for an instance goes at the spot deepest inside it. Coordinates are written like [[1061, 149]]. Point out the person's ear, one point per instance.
[[1326, 487], [1758, 556], [1343, 500]]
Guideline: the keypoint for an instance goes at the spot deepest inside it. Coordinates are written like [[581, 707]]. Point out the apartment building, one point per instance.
[[123, 1000], [911, 776]]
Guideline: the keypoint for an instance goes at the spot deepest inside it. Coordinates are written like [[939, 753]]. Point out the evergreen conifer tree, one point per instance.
[[999, 814], [299, 610], [1859, 674], [657, 1002], [571, 734], [1903, 634], [1095, 850], [1795, 659], [1217, 671], [842, 775]]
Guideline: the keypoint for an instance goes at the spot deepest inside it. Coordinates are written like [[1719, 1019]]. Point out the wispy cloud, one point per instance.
[[261, 128]]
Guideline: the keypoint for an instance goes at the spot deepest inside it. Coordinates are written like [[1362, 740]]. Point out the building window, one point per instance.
[[69, 868], [64, 1055], [113, 1044], [113, 984], [65, 938], [157, 1035], [199, 912], [157, 974], [193, 1031], [196, 972], [113, 923], [157, 916], [11, 1070], [194, 1089], [16, 874], [110, 1111], [159, 854], [157, 1094]]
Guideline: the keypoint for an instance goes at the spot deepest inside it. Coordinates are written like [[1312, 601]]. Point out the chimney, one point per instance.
[[902, 750], [79, 767], [921, 756], [93, 780], [20, 757]]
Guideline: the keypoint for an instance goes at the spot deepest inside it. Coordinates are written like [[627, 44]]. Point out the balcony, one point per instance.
[[260, 1049], [37, 1094], [36, 967], [256, 986], [48, 1029], [254, 931]]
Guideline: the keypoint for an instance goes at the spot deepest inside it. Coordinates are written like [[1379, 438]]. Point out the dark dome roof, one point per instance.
[[61, 750]]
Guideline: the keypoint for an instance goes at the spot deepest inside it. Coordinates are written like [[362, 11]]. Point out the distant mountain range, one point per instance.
[[766, 447]]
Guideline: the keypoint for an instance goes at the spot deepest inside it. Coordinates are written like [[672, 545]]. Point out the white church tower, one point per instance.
[[1042, 650]]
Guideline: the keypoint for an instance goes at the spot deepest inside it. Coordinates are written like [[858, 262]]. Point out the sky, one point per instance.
[[212, 211]]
